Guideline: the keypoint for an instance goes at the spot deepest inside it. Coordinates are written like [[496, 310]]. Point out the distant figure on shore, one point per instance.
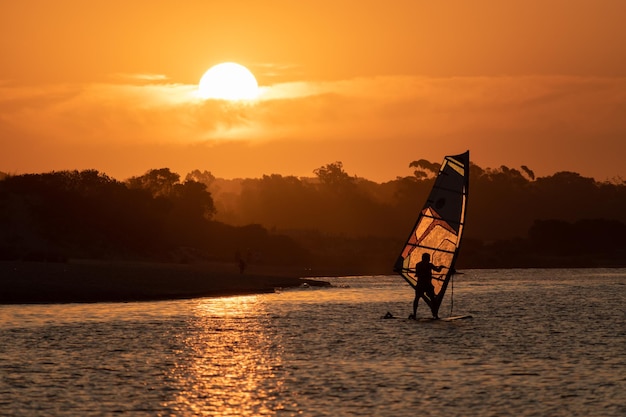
[[424, 288], [241, 262]]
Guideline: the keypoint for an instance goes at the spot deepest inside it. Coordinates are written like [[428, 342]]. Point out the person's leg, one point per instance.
[[432, 304], [428, 298]]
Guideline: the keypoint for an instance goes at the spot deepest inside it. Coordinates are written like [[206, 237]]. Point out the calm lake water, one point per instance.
[[540, 343]]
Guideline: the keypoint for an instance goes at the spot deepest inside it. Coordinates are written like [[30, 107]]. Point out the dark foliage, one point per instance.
[[89, 215], [334, 220]]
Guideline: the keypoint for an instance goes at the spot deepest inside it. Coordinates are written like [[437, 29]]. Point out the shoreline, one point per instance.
[[95, 281], [87, 281]]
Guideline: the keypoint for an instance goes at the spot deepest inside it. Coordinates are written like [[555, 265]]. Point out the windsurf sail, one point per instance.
[[439, 226]]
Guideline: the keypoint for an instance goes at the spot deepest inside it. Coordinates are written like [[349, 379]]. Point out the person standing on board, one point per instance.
[[424, 288]]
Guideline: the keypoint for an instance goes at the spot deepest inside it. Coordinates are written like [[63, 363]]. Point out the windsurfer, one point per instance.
[[424, 288]]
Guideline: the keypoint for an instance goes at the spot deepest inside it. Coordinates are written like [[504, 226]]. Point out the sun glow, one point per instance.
[[228, 81]]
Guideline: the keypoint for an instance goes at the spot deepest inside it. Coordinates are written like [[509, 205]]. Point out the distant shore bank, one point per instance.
[[81, 281]]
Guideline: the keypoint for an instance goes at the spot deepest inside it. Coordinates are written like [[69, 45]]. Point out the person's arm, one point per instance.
[[437, 268]]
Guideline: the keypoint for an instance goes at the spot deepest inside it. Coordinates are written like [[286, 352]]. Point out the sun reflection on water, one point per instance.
[[229, 359]]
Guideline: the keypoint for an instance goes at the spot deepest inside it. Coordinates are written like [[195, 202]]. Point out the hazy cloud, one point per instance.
[[498, 116], [140, 77], [376, 107]]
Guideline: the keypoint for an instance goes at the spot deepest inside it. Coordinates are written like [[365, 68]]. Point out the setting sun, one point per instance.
[[228, 81]]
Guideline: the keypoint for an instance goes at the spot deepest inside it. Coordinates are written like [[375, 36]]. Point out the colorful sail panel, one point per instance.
[[439, 226]]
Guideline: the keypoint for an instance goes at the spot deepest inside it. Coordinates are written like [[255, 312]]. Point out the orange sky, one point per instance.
[[110, 85]]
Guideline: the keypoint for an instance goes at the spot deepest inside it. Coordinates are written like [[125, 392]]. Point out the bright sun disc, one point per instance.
[[228, 81]]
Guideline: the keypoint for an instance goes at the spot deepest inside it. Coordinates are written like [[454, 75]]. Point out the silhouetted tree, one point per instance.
[[277, 201], [333, 175], [529, 172], [204, 177], [192, 200], [159, 182], [425, 169]]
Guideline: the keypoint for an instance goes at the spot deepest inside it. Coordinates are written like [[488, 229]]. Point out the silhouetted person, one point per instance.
[[241, 262], [242, 266], [424, 288]]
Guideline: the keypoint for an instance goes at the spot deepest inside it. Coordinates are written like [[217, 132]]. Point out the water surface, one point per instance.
[[541, 342]]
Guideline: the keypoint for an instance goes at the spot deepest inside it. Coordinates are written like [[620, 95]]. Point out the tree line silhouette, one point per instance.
[[332, 221]]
